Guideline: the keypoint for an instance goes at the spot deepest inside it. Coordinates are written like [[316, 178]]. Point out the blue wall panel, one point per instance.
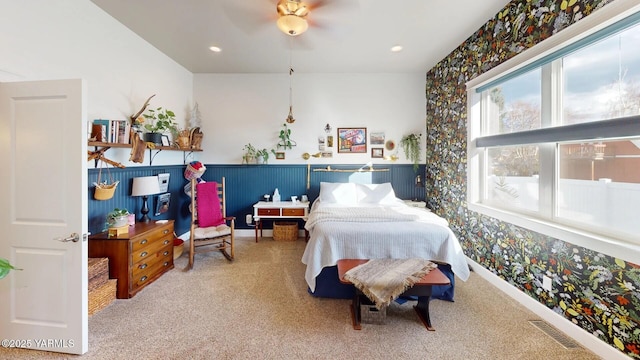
[[246, 184]]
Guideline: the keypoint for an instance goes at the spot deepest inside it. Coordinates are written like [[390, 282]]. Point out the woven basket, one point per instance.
[[101, 297], [104, 191], [98, 269], [191, 173], [285, 231]]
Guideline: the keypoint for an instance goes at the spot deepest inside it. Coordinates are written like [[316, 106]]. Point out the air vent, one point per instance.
[[556, 335]]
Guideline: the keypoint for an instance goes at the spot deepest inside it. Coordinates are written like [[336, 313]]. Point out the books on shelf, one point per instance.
[[111, 131]]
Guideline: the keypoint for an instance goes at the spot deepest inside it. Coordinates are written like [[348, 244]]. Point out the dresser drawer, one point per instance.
[[150, 249], [269, 212], [152, 261], [147, 269], [143, 241], [292, 212]]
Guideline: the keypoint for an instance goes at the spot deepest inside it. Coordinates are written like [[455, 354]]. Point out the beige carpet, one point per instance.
[[258, 308]]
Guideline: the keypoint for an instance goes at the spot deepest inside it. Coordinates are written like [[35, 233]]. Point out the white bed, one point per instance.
[[367, 221]]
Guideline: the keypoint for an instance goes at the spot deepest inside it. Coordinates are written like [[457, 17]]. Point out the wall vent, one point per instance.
[[556, 335]]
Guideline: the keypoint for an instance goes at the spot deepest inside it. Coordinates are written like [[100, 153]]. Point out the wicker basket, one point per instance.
[[101, 297], [369, 314], [285, 231]]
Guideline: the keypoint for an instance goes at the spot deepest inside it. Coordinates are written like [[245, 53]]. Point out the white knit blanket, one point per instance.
[[383, 280], [371, 214]]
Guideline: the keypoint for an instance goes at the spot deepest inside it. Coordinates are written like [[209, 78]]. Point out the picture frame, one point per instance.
[[377, 138], [352, 140], [377, 152], [279, 155], [162, 204], [165, 141]]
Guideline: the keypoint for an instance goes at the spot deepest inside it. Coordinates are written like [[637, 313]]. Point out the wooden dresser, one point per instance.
[[138, 258]]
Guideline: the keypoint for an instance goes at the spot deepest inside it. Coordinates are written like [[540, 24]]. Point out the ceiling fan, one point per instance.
[[292, 17]]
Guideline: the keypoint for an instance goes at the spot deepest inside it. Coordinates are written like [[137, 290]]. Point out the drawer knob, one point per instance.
[[165, 253], [166, 263], [143, 241], [166, 242], [143, 279], [142, 266], [143, 254], [165, 232]]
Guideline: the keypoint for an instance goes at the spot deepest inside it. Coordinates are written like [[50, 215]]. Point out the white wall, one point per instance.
[[237, 109], [63, 39]]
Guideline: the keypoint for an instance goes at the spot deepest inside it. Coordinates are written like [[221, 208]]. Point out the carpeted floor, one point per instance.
[[258, 308]]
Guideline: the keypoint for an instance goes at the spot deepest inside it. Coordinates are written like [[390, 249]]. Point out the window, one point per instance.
[[554, 144]]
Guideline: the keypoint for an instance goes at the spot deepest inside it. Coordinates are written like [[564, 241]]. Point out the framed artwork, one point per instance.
[[165, 141], [163, 203], [330, 141], [377, 138], [352, 140], [377, 152], [280, 155]]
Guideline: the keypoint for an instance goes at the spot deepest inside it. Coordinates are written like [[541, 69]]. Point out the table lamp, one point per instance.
[[145, 186]]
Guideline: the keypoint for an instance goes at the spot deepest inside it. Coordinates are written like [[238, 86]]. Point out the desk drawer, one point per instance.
[[269, 212], [292, 212]]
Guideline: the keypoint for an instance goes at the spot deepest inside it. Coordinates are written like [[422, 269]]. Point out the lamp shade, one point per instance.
[[292, 25], [145, 185]]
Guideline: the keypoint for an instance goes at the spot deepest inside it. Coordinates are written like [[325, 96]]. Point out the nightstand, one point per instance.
[[414, 203]]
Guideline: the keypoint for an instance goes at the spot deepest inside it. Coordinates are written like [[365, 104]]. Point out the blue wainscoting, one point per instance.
[[246, 184]]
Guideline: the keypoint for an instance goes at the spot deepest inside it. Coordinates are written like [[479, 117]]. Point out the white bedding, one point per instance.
[[370, 231]]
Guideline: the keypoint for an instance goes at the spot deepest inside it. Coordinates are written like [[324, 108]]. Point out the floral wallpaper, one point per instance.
[[596, 292]]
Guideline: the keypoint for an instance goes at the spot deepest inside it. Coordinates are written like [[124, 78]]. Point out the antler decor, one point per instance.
[[144, 107]]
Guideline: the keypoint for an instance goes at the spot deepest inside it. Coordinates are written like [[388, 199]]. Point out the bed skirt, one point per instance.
[[328, 285]]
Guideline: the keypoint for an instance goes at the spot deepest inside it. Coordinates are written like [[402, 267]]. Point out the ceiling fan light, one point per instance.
[[292, 25]]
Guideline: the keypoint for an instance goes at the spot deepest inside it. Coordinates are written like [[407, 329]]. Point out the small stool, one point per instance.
[[421, 289]]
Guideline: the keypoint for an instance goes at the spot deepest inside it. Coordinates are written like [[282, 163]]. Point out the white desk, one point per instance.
[[279, 210]]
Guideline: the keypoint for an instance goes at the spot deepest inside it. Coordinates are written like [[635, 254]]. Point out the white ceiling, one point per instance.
[[352, 36]]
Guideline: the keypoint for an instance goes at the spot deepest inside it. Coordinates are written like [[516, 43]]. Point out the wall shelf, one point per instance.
[[102, 147]]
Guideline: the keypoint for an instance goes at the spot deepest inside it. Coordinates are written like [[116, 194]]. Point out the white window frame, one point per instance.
[[476, 160]]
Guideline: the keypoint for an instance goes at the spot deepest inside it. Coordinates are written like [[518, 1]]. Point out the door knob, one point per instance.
[[73, 237]]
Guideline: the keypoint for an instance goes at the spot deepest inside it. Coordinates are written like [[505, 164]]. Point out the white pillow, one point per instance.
[[382, 194], [338, 193]]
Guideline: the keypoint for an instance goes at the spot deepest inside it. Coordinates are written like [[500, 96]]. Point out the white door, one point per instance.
[[43, 155]]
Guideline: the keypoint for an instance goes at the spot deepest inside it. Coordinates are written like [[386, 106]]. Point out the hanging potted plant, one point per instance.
[[159, 121], [411, 146], [285, 138]]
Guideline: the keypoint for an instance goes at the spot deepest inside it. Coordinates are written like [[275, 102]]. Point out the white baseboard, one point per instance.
[[578, 334]]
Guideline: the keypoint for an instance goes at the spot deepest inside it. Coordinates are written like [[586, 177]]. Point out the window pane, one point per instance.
[[599, 185], [602, 81], [514, 105], [513, 177]]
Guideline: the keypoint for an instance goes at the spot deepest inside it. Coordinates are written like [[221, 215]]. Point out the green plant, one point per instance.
[[5, 267], [264, 154], [116, 216], [160, 121], [411, 146], [250, 153], [285, 138]]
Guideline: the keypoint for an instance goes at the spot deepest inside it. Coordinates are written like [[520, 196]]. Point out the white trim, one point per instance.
[[596, 21], [580, 335]]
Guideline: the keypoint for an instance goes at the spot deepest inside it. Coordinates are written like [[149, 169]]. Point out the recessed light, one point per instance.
[[396, 48], [215, 49]]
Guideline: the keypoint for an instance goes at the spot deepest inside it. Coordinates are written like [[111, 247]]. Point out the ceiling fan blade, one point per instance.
[[250, 17]]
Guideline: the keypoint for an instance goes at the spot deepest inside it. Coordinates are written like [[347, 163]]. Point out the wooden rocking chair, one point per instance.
[[211, 228]]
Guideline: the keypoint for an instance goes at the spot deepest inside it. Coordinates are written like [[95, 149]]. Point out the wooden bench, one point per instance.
[[422, 289]]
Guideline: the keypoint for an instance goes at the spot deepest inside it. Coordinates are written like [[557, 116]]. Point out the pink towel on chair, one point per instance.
[[208, 202]]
